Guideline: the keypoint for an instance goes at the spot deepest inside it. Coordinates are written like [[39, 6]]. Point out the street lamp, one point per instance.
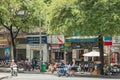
[[40, 45]]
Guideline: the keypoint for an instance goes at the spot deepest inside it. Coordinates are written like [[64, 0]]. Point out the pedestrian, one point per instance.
[[33, 64], [73, 69], [86, 67], [79, 67], [35, 59], [82, 67], [91, 66], [26, 65], [105, 69], [7, 58]]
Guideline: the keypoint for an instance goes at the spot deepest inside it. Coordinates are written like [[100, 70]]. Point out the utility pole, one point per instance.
[[40, 45]]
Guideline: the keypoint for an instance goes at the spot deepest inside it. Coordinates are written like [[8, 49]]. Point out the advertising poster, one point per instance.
[[7, 53]]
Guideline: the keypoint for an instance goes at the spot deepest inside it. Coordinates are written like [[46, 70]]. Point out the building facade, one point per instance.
[[33, 47]]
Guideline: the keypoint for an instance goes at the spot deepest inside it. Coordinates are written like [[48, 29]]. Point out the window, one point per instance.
[[21, 40]]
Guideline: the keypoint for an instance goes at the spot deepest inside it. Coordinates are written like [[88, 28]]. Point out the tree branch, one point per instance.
[[4, 24], [18, 30]]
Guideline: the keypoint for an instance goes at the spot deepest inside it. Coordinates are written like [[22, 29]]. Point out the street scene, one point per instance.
[[59, 39]]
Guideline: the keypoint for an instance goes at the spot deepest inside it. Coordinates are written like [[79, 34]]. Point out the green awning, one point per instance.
[[81, 40]]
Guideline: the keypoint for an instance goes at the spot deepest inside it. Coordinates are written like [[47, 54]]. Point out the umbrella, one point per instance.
[[92, 54]]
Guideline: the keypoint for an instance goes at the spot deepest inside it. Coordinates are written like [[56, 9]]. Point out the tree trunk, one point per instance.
[[101, 52], [14, 51], [13, 47]]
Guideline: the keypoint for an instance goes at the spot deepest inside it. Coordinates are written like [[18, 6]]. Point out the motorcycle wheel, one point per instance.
[[59, 75], [66, 74]]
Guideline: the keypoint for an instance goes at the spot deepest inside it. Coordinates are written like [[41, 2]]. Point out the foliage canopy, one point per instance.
[[85, 17]]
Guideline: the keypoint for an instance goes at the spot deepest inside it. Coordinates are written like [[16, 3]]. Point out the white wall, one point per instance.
[[31, 47]]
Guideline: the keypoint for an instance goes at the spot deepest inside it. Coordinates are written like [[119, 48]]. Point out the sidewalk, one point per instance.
[[3, 76]]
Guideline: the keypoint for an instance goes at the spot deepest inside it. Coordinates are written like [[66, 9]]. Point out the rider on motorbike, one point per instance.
[[13, 67]]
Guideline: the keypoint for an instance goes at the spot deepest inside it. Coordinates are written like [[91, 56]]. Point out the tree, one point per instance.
[[19, 15], [87, 18]]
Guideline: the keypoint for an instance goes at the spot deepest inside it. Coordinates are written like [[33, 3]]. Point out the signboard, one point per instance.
[[116, 41], [108, 41], [54, 46], [3, 42], [7, 53], [56, 39], [36, 40], [107, 38]]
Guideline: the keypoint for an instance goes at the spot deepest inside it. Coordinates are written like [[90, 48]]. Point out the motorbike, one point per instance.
[[63, 71], [14, 71]]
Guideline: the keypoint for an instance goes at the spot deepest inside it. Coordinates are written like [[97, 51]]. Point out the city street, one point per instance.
[[22, 76]]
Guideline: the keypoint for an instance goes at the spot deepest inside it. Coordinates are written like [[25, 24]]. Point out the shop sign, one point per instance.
[[36, 40], [56, 39], [67, 44], [108, 41], [3, 42], [54, 46], [116, 40]]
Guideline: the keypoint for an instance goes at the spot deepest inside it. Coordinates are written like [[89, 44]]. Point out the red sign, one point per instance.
[[108, 43]]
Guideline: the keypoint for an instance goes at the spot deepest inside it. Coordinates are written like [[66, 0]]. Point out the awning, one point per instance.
[[93, 54], [81, 40]]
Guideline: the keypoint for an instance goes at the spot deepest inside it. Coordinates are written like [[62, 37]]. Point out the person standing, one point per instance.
[[91, 67], [33, 64], [86, 67]]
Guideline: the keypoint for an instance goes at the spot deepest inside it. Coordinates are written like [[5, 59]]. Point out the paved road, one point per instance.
[[23, 76]]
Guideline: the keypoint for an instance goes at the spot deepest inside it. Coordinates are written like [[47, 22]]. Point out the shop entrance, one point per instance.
[[59, 56], [69, 57], [36, 54]]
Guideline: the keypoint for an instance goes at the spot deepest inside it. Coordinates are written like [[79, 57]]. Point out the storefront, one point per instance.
[[4, 49], [33, 48], [115, 50], [56, 53], [81, 45]]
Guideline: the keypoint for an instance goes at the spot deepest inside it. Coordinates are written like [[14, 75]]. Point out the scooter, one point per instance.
[[63, 71], [14, 71]]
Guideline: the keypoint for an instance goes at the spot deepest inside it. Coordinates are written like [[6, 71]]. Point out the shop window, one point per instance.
[[1, 54], [59, 56], [21, 54], [21, 40]]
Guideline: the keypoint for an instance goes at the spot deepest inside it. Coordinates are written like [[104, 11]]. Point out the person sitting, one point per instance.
[[13, 65]]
